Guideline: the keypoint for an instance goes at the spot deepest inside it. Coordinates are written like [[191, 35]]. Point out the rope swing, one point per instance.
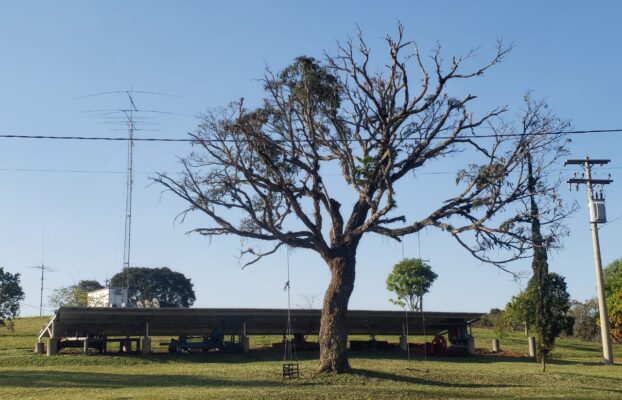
[[420, 302], [425, 347], [290, 358]]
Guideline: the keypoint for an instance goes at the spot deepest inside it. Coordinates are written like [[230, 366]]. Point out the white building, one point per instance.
[[108, 297]]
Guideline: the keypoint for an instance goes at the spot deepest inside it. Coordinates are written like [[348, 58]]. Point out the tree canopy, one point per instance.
[[11, 293], [74, 295], [410, 279], [522, 308], [171, 288], [613, 290], [259, 172], [585, 319]]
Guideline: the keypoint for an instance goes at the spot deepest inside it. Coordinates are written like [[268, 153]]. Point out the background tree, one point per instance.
[[585, 319], [612, 275], [259, 173], [74, 295], [410, 279], [538, 121], [520, 312], [171, 288], [307, 301], [495, 319], [522, 308], [11, 294], [89, 285]]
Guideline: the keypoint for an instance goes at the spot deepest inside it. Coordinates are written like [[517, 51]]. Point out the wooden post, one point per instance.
[[495, 346]]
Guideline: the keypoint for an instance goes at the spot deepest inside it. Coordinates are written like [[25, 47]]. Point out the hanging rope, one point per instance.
[[290, 365], [425, 347]]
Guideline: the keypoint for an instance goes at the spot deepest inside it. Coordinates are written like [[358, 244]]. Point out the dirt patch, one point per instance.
[[502, 353]]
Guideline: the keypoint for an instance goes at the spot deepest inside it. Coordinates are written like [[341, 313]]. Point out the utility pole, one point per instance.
[[596, 207]]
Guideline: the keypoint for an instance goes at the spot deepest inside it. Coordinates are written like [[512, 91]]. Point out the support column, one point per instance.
[[146, 345], [86, 346], [245, 339], [495, 346], [532, 346], [39, 347], [52, 349], [470, 344], [404, 343]]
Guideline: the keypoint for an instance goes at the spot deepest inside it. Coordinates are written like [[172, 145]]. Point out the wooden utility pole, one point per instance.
[[597, 215]]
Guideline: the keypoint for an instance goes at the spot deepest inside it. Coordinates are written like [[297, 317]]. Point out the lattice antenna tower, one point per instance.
[[130, 116], [127, 239]]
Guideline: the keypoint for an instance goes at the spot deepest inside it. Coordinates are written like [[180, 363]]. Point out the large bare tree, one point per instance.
[[259, 173]]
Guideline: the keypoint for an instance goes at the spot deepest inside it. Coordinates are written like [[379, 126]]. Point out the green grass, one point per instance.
[[575, 373]]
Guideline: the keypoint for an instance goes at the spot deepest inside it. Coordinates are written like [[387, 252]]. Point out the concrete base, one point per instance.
[[146, 345], [52, 347], [39, 348], [471, 345], [532, 346], [404, 343], [245, 343], [495, 346]]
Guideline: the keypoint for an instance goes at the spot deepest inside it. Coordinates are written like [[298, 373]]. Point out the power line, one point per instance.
[[118, 172], [101, 138], [151, 139]]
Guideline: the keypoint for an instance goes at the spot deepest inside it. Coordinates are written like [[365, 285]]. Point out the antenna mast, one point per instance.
[[129, 189], [130, 116], [43, 268]]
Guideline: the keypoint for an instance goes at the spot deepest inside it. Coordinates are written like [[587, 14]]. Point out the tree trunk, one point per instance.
[[333, 330]]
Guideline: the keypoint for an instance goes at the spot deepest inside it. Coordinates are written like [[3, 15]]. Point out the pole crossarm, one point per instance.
[[592, 181], [587, 160]]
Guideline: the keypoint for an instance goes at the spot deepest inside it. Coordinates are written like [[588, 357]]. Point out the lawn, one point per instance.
[[575, 373]]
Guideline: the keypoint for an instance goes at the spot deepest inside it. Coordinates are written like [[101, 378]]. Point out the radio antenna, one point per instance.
[[43, 268], [131, 116], [127, 240]]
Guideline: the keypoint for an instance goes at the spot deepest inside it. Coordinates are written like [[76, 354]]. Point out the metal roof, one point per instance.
[[78, 321]]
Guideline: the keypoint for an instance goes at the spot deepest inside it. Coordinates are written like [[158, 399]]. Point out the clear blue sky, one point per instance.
[[210, 53]]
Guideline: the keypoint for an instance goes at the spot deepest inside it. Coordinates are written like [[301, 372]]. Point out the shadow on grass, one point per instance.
[[428, 382], [605, 377], [580, 347], [277, 356], [478, 359], [165, 358], [73, 379], [94, 380], [470, 359]]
